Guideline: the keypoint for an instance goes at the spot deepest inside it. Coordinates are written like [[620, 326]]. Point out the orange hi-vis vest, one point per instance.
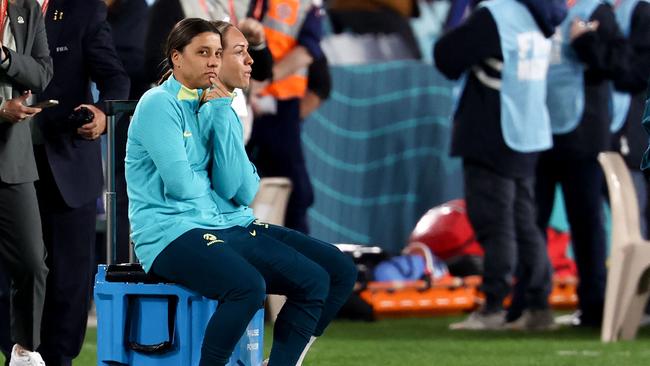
[[282, 24]]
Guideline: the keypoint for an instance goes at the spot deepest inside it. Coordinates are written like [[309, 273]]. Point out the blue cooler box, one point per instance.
[[162, 324]]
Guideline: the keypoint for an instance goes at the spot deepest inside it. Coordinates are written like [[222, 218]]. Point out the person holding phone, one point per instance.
[[45, 104], [25, 67], [588, 53], [68, 156]]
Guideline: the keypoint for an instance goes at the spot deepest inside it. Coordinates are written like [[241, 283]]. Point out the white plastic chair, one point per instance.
[[629, 262], [270, 205]]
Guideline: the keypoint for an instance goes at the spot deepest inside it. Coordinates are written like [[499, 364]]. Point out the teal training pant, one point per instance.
[[238, 266]]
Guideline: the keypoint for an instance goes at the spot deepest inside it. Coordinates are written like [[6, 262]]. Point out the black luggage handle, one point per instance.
[[159, 348], [112, 107]]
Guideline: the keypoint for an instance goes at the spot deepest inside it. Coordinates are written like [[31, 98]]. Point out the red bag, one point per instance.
[[558, 242], [446, 230]]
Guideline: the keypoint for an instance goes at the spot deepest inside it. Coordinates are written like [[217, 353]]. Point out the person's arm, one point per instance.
[[105, 70], [298, 58], [157, 127], [253, 30], [14, 110], [34, 71], [262, 68], [233, 176], [319, 86], [633, 77], [250, 180], [604, 50], [306, 51], [467, 45], [249, 187]]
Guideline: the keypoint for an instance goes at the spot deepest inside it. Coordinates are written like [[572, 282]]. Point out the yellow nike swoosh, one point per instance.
[[187, 134], [253, 233]]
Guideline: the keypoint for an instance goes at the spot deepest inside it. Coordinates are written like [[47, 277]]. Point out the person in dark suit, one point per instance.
[[25, 67], [70, 166]]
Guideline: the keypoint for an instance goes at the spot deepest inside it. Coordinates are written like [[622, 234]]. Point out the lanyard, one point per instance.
[[231, 9], [257, 13], [206, 9], [3, 17]]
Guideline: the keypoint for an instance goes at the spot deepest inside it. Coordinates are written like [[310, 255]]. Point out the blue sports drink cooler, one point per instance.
[[143, 321], [162, 324]]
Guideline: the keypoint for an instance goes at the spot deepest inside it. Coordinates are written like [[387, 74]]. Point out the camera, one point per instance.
[[80, 117]]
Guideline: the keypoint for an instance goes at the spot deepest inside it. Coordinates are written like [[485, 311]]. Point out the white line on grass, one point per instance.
[[586, 353]]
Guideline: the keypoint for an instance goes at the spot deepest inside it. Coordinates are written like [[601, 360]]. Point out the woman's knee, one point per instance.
[[316, 285], [251, 288], [346, 271]]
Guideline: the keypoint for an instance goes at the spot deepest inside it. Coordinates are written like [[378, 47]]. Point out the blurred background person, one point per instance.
[[26, 67], [69, 163], [128, 20], [633, 17], [630, 80], [275, 146], [500, 127], [376, 17], [587, 50]]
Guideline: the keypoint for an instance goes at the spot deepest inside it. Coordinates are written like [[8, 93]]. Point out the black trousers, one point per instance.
[[581, 179], [69, 236], [502, 212], [22, 260]]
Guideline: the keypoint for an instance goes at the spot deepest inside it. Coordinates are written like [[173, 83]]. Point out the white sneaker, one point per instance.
[[572, 319], [481, 321], [25, 358], [534, 320]]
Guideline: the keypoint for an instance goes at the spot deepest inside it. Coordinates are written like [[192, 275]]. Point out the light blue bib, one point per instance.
[[621, 101], [524, 117], [566, 95]]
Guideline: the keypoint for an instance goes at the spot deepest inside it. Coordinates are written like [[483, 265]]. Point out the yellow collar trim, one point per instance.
[[185, 93]]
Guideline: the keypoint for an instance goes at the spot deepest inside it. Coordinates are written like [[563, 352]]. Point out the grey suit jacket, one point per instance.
[[30, 69]]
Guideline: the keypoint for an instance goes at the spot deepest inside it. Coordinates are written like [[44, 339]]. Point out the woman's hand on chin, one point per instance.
[[215, 91]]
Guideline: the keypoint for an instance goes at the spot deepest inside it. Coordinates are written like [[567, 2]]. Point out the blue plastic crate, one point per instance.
[[161, 324]]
